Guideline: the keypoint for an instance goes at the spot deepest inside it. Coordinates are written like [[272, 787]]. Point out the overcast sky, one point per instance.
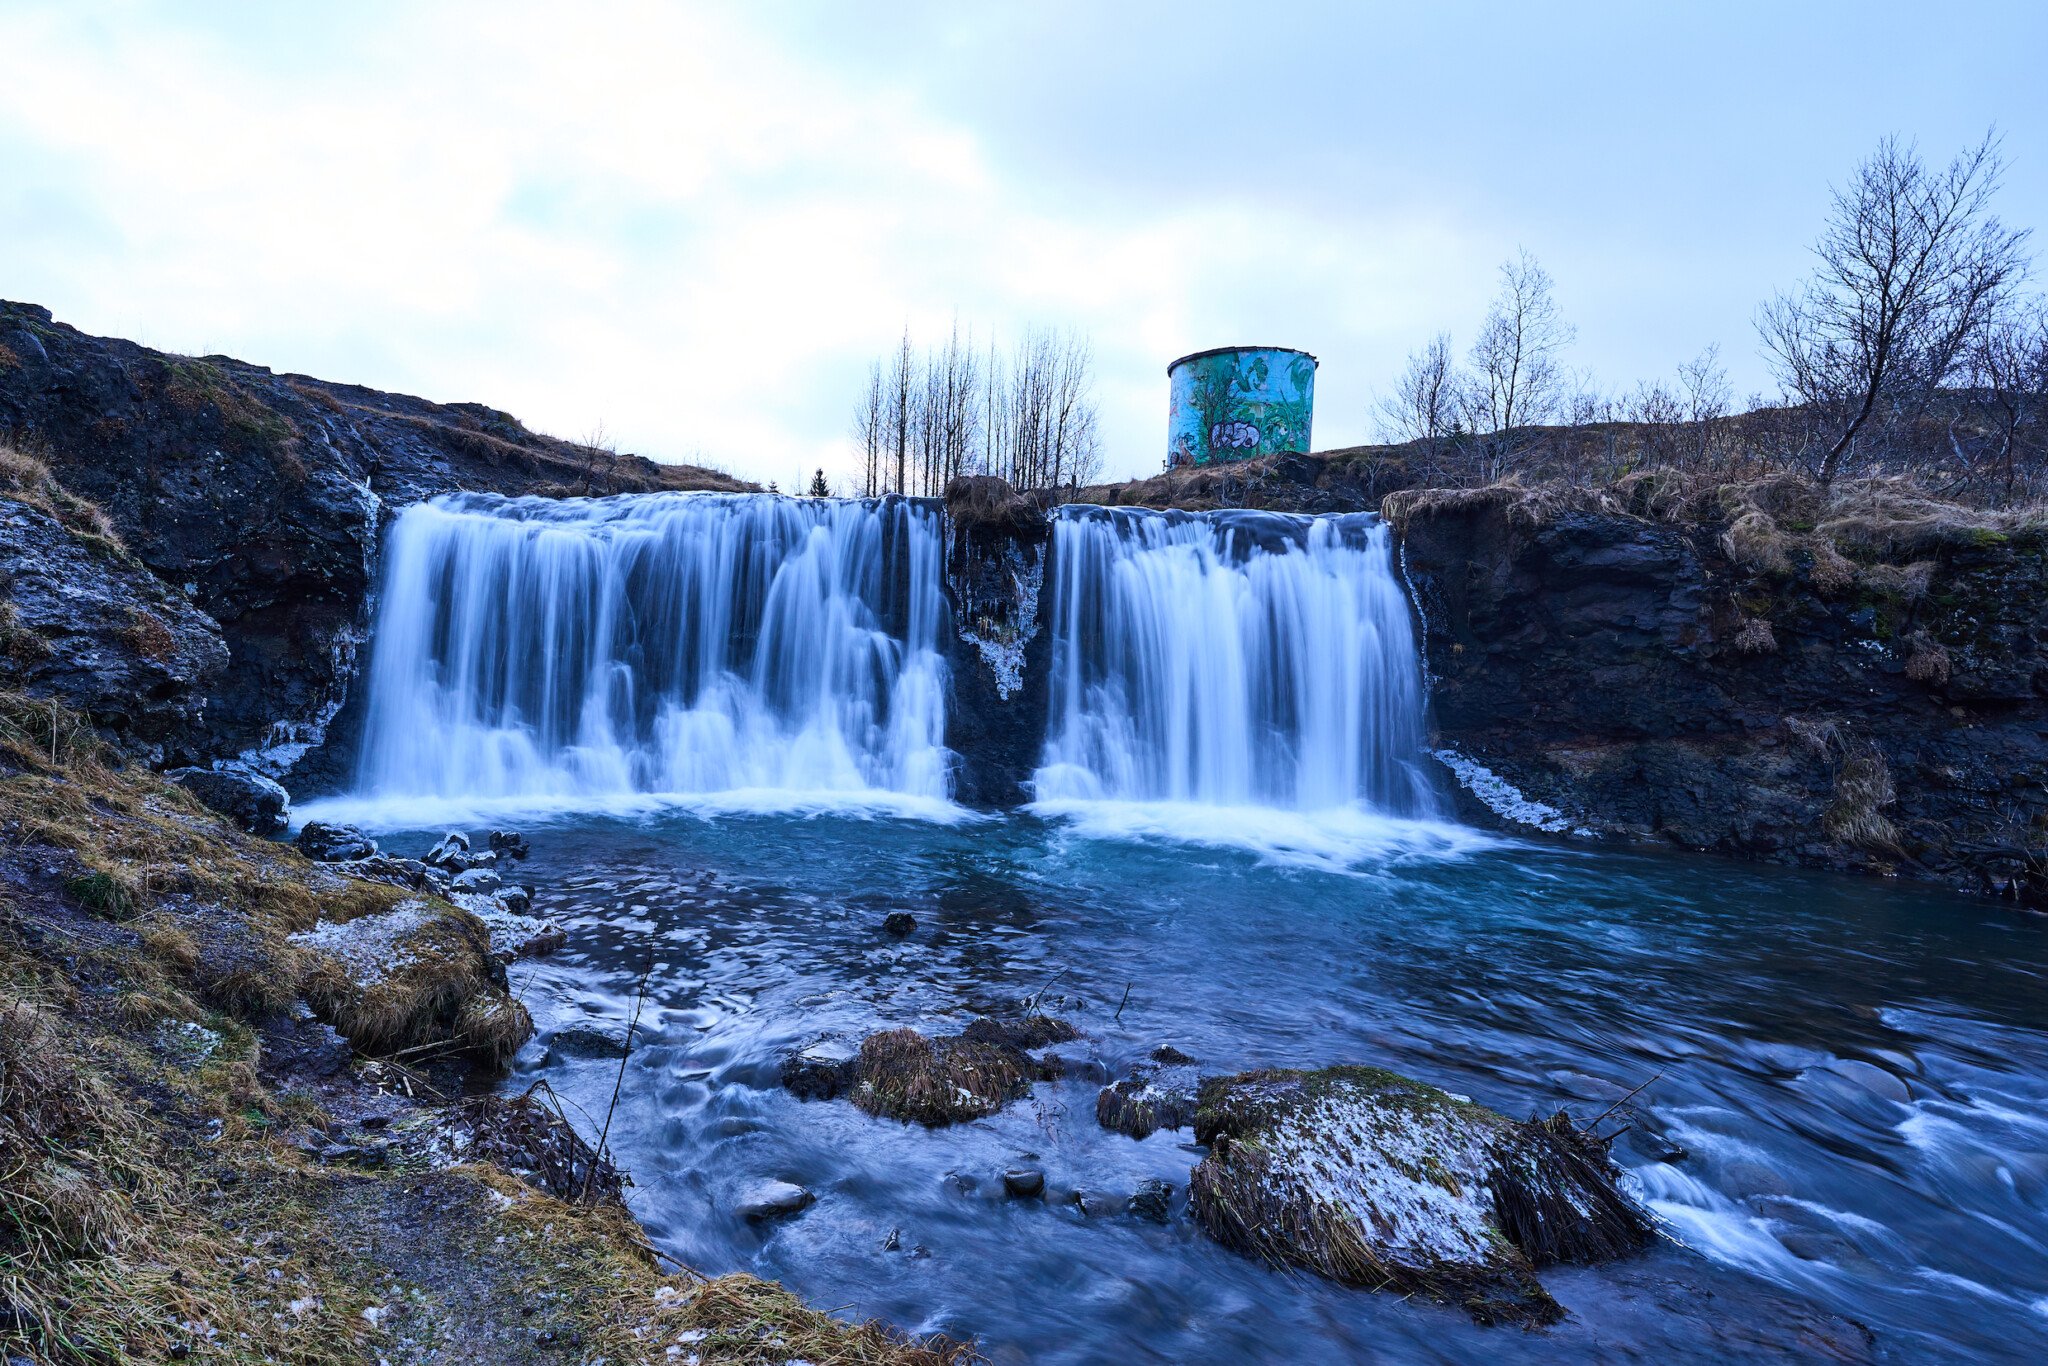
[[696, 225]]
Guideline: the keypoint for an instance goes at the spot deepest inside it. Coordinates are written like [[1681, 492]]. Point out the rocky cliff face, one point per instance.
[[1734, 682], [259, 497], [83, 622]]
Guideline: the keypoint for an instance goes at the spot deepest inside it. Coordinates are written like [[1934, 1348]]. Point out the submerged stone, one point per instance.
[[1026, 1183], [900, 923], [1382, 1182]]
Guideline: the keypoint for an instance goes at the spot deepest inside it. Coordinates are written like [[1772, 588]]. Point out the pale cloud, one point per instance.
[[697, 224], [649, 217]]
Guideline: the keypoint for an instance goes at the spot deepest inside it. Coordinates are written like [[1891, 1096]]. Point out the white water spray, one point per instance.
[[582, 651]]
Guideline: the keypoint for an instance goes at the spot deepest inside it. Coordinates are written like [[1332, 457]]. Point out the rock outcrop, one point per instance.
[[259, 497], [1857, 680], [1385, 1183], [85, 623]]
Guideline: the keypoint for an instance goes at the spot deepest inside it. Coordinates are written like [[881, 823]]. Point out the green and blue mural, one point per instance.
[[1236, 402]]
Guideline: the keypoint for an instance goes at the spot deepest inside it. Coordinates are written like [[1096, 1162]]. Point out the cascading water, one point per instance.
[[585, 650], [1242, 661]]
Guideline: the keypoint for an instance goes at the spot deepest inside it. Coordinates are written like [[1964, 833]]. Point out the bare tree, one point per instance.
[[599, 457], [1424, 404], [901, 400], [1029, 417], [2008, 368], [1911, 265], [871, 431], [1516, 380]]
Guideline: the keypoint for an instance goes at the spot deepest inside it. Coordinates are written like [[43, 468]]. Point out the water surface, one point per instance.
[[1844, 1127]]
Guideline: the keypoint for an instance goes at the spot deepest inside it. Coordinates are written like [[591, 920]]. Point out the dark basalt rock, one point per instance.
[[83, 622], [334, 843], [510, 843], [1597, 662], [1385, 1183], [1025, 1183], [902, 1074], [250, 800], [1154, 1200], [899, 924]]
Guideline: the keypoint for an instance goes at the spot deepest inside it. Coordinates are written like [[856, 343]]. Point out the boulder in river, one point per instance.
[[902, 1074], [1159, 1094], [327, 843], [1382, 1182], [774, 1200], [510, 843]]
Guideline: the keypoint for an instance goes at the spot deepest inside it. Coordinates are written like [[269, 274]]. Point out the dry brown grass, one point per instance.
[[28, 480], [1926, 660], [1755, 637], [1863, 788], [439, 991], [1883, 535]]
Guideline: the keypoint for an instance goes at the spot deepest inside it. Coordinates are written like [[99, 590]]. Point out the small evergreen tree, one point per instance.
[[818, 487]]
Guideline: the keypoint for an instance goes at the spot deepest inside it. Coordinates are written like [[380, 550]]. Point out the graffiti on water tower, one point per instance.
[[1239, 402]]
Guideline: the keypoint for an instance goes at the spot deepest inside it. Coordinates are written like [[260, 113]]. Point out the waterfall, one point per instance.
[[577, 651], [1232, 660]]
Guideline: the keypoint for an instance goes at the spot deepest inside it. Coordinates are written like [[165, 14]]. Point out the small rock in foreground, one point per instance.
[[900, 923], [250, 800], [1154, 1200], [510, 843], [1382, 1182], [1026, 1183]]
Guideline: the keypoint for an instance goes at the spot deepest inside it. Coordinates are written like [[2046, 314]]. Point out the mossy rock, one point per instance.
[[902, 1074], [412, 979], [1382, 1182]]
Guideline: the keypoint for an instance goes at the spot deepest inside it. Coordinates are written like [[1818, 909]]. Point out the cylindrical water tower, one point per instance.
[[1235, 402]]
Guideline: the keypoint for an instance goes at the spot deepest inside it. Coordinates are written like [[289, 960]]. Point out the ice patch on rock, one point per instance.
[[1002, 644], [1504, 799]]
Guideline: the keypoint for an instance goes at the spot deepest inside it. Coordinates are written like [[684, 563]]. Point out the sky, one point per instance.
[[693, 226]]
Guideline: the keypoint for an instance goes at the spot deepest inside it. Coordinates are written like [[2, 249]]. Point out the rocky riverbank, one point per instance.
[[230, 1082]]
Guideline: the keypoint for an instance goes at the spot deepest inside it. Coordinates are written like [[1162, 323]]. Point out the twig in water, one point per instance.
[[1031, 1002], [1619, 1103], [1121, 1004], [618, 1083]]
